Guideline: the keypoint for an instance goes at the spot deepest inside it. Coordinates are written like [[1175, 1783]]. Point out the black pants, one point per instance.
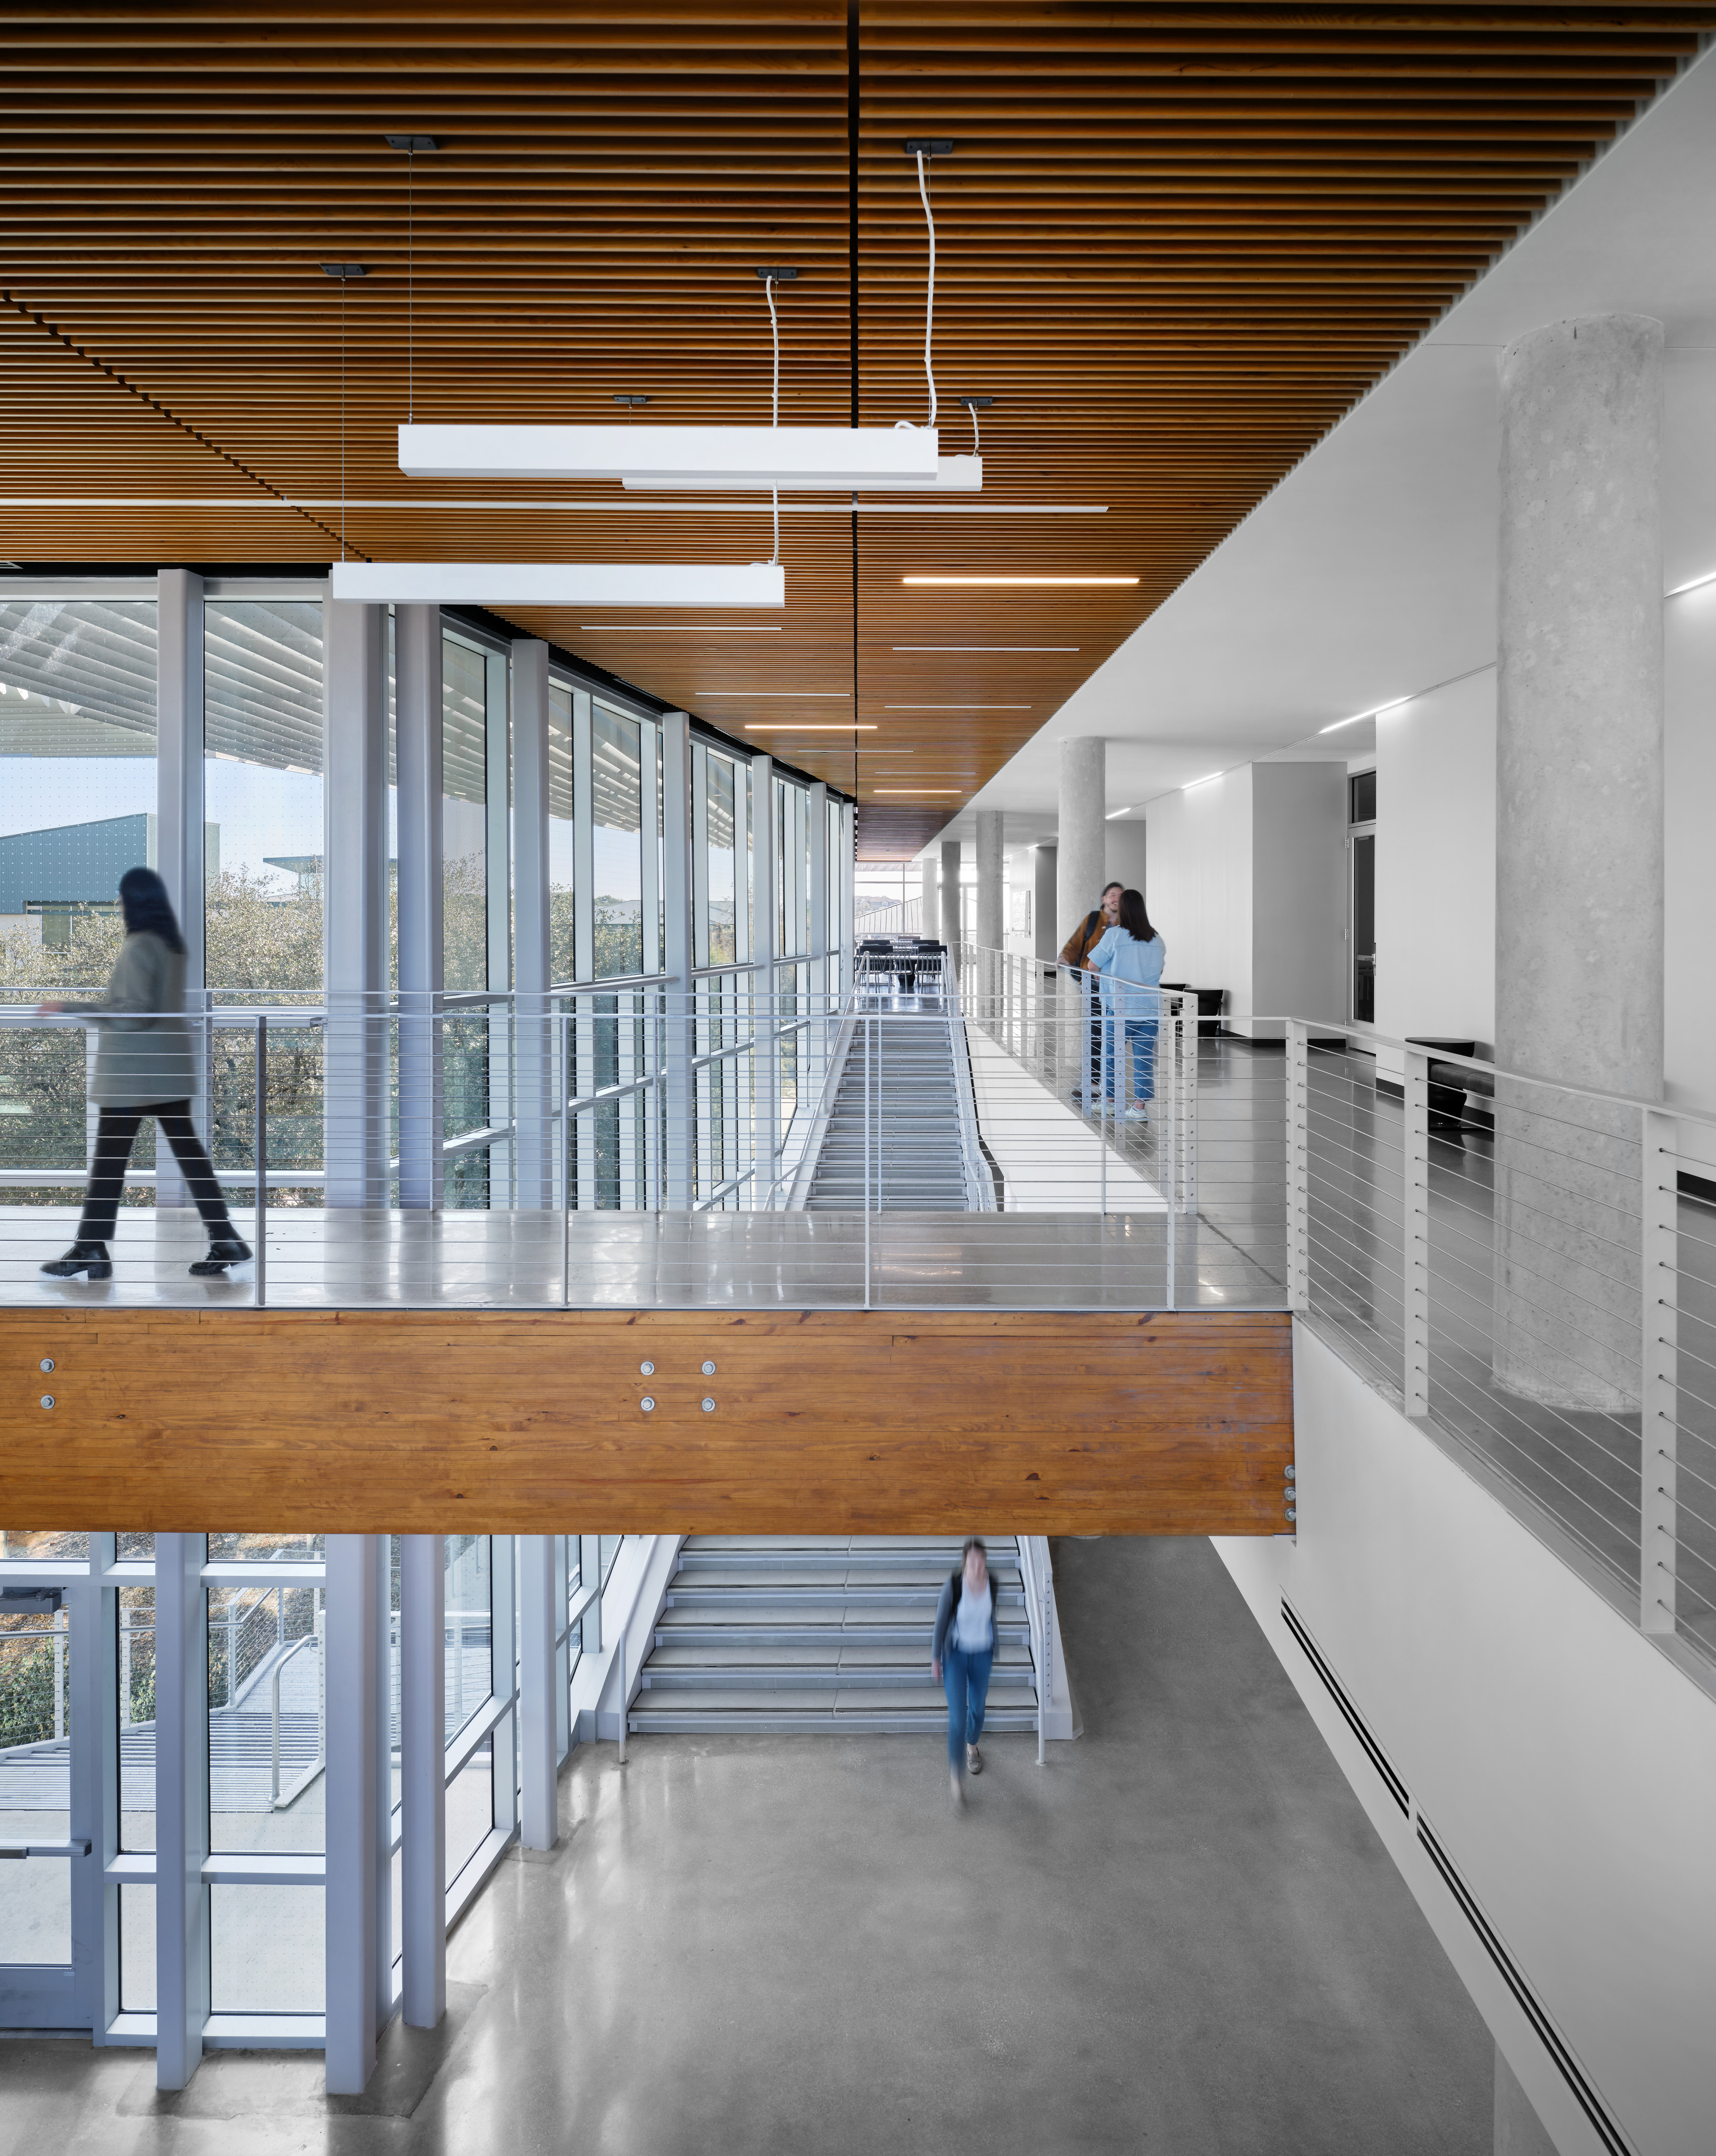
[[114, 1136]]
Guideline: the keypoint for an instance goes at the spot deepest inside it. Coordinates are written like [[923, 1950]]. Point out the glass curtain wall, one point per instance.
[[619, 1035], [262, 857], [475, 913], [77, 809]]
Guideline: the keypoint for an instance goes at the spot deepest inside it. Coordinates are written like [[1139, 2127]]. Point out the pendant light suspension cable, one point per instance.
[[411, 283], [774, 403], [929, 303]]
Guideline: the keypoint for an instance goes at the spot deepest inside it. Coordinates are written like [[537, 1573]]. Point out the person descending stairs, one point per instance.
[[822, 1635]]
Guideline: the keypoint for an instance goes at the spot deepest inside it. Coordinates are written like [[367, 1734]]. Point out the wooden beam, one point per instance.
[[824, 1422]]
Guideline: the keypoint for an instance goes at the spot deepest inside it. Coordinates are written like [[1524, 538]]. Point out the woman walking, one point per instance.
[[1130, 959], [961, 1658], [144, 1067]]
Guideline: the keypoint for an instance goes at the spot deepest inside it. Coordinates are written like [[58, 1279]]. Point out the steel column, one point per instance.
[[181, 1809], [352, 1799], [1659, 1517], [423, 1703], [355, 903], [533, 1110], [538, 1737], [180, 831], [678, 1036], [417, 633]]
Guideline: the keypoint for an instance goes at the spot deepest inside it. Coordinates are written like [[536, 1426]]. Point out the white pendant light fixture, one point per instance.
[[560, 583], [901, 459]]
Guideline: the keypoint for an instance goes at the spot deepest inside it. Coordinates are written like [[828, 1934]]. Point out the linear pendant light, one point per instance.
[[560, 583], [823, 458], [962, 474]]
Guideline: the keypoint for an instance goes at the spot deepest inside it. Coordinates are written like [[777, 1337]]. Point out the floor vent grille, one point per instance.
[[1608, 2133], [1355, 1721]]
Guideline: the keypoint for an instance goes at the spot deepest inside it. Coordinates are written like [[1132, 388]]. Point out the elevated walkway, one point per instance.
[[824, 1634]]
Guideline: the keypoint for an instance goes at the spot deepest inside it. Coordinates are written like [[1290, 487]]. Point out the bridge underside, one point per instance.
[[499, 1423]]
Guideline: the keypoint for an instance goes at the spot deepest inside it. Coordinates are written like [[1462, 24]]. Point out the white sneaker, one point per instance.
[[1137, 1115], [974, 1760]]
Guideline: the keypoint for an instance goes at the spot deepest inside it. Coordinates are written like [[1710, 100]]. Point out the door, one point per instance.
[[49, 1886], [1361, 905]]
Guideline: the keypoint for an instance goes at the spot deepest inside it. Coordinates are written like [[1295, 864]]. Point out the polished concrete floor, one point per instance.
[[1182, 1936]]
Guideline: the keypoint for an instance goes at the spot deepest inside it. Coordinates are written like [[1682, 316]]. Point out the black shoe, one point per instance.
[[90, 1257], [225, 1250]]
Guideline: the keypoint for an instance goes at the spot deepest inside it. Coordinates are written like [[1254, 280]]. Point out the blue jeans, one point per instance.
[[1140, 1039], [965, 1678]]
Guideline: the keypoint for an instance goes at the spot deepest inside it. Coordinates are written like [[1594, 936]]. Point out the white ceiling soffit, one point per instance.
[[1370, 572], [560, 583], [823, 458]]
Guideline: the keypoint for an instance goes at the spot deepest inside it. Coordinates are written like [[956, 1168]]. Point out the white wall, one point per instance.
[[1689, 848], [1564, 1763], [1123, 853], [1436, 864], [1298, 889], [1199, 891]]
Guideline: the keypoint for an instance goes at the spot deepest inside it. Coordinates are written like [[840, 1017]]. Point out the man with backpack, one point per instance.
[[1076, 956], [962, 1656]]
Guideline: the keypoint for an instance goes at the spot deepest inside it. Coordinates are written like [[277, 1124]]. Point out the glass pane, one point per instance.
[[470, 1672], [135, 1712], [464, 846], [263, 808], [229, 1549], [723, 948], [77, 809], [137, 1949], [470, 1808], [42, 1544], [266, 1949], [562, 949], [35, 1778], [135, 1549], [617, 788], [267, 1716]]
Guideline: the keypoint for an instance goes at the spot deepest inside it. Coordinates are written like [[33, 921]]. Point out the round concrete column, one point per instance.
[[1082, 843], [991, 927], [929, 914], [1579, 849], [950, 893]]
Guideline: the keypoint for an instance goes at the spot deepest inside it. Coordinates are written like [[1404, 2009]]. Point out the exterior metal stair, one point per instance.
[[821, 1635], [900, 1075]]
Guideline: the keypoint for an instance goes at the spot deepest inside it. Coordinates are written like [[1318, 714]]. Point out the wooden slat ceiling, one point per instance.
[[1176, 243]]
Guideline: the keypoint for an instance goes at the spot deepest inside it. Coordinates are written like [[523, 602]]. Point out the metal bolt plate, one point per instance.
[[46, 1363], [646, 1369], [708, 1369], [647, 1404], [48, 1400], [708, 1406]]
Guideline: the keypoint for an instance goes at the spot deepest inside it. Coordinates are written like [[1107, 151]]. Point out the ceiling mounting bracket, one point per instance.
[[975, 403], [924, 145], [635, 401], [777, 276], [412, 143], [343, 270]]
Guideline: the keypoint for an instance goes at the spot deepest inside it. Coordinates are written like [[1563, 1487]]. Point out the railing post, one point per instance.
[[1659, 1375], [261, 1155], [1298, 1165], [1414, 1236]]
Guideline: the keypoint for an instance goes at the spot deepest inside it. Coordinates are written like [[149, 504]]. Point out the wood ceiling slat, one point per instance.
[[1176, 243]]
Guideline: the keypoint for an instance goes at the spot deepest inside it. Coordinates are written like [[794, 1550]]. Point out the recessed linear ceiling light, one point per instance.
[[1359, 717], [1208, 778], [793, 696], [681, 628], [1013, 582], [1113, 813], [560, 583], [986, 647], [791, 726], [956, 707], [823, 458], [895, 791]]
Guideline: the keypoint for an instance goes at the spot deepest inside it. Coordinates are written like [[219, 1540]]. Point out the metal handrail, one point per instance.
[[309, 1639]]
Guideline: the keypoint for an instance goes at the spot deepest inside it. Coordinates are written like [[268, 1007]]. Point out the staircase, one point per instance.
[[899, 1074], [820, 1634]]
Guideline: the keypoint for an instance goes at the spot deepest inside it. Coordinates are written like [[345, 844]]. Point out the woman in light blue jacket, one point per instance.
[[1130, 959]]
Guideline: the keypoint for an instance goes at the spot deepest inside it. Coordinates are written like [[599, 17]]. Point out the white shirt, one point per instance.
[[972, 1619]]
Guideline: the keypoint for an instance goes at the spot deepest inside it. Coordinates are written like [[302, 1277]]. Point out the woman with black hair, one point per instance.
[[1129, 959], [144, 1067]]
